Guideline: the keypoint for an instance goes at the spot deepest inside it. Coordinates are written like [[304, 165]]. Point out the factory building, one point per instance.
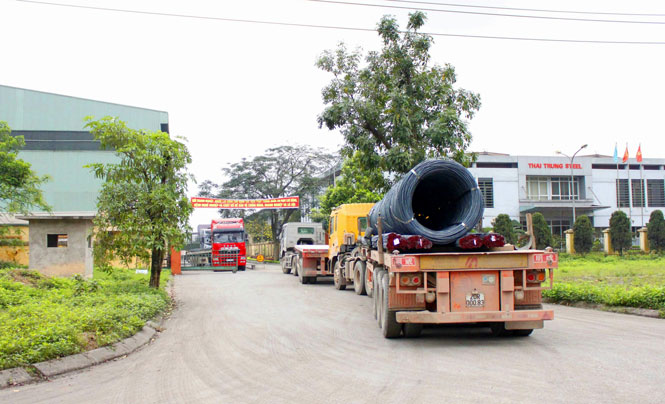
[[57, 144], [593, 185]]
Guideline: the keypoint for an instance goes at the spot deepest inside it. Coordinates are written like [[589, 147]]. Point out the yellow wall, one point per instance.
[[15, 254]]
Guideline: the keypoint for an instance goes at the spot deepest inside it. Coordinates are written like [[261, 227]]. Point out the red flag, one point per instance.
[[625, 155], [639, 154]]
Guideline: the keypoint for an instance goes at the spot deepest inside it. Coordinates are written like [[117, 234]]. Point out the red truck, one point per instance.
[[228, 243]]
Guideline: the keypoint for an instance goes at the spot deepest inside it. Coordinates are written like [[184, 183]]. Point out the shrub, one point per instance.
[[620, 232], [42, 318], [656, 231], [504, 226], [542, 231], [583, 232]]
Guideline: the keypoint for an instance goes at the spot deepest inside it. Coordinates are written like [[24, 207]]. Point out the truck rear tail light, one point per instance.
[[410, 280], [535, 276]]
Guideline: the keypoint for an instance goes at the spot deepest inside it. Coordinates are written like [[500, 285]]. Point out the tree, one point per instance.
[[279, 172], [620, 231], [398, 109], [143, 199], [583, 234], [353, 186], [656, 231], [19, 185], [542, 231], [504, 226]]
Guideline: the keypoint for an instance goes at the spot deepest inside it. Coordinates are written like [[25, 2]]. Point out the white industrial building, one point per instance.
[[517, 185]]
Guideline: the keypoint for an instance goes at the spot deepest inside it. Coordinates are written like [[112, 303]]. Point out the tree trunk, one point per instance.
[[156, 267]]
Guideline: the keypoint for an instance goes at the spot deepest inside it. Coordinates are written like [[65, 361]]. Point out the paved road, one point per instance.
[[261, 337]]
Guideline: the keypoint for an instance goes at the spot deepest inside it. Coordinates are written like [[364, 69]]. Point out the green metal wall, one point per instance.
[[72, 187], [35, 110]]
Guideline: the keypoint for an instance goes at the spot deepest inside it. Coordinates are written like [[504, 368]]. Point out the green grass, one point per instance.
[[42, 318], [634, 280]]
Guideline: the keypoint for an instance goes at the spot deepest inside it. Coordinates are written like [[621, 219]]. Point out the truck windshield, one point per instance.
[[230, 237], [305, 230]]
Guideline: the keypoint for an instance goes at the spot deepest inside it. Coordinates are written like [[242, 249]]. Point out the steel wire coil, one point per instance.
[[437, 199]]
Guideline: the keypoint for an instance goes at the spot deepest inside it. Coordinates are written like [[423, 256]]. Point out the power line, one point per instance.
[[539, 17], [434, 3], [200, 17]]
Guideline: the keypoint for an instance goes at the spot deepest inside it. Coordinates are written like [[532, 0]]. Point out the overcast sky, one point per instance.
[[234, 89]]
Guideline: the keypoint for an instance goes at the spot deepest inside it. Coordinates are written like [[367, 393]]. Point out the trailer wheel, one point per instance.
[[340, 282], [499, 330], [301, 278], [412, 330], [522, 333], [369, 289], [377, 295], [359, 277], [285, 269], [389, 325]]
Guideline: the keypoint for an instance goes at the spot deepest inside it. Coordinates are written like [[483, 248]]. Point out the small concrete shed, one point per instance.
[[60, 243]]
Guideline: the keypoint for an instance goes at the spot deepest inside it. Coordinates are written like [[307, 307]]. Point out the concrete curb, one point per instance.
[[54, 367], [12, 377], [614, 309]]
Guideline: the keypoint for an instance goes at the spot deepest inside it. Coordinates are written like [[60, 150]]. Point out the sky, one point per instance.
[[234, 89]]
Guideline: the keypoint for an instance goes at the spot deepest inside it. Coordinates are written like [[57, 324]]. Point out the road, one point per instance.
[[261, 337]]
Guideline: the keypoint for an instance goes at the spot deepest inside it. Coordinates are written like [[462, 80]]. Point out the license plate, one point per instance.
[[230, 260], [475, 300]]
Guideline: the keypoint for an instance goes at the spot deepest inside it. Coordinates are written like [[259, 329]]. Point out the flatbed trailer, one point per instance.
[[311, 262], [499, 288]]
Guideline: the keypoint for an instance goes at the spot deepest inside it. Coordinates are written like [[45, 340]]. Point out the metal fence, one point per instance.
[[270, 251]]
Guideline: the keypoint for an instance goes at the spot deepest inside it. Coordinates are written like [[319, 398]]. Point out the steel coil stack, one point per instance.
[[437, 199]]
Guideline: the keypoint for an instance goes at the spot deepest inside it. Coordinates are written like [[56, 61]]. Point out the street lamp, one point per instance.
[[572, 179]]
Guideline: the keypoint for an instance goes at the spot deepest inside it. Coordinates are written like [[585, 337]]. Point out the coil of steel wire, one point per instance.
[[437, 199]]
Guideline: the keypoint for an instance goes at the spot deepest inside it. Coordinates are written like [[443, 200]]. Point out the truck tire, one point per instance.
[[412, 330], [390, 328], [301, 278], [294, 266], [285, 269], [359, 277], [522, 333], [499, 330], [241, 267], [340, 282], [369, 289]]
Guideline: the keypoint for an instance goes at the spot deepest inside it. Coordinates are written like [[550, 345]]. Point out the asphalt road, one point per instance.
[[261, 337]]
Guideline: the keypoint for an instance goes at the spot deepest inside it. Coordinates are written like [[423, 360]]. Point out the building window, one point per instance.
[[637, 189], [537, 188], [656, 193], [552, 188], [558, 226], [623, 196], [56, 240], [486, 186]]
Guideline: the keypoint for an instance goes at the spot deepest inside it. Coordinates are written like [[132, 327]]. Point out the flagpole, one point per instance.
[[630, 192]]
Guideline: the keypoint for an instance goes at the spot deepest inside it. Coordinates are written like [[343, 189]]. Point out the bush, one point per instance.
[[542, 231], [504, 226], [43, 318], [583, 232], [620, 231], [656, 231]]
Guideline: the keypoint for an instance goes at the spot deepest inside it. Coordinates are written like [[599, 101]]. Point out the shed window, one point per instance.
[[56, 240]]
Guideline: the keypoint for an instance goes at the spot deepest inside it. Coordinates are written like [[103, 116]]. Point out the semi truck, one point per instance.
[[228, 243], [496, 286], [294, 234]]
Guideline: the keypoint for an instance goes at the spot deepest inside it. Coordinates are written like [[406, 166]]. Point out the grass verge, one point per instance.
[[629, 281], [43, 318]]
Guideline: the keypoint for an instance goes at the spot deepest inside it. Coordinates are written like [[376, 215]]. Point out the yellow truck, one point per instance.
[[495, 285], [347, 223]]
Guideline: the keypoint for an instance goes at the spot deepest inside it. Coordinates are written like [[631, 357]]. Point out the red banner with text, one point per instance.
[[289, 202]]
